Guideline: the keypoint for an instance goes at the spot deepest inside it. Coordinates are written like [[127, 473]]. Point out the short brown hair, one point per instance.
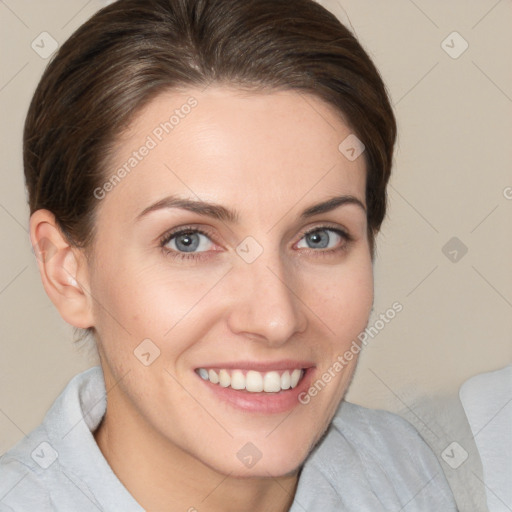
[[132, 50]]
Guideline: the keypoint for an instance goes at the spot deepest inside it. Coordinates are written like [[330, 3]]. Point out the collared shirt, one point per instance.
[[367, 461], [487, 400]]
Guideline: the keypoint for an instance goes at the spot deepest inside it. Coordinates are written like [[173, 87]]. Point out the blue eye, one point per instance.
[[185, 243], [194, 244], [323, 238], [189, 241]]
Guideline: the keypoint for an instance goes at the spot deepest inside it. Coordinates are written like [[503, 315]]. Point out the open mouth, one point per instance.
[[253, 381]]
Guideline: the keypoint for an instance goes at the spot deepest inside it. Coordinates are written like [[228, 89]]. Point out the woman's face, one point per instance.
[[217, 258]]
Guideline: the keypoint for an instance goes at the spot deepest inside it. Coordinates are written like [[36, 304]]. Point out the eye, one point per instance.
[[186, 242], [324, 237], [193, 243]]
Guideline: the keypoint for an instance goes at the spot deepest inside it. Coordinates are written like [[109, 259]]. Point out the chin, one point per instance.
[[266, 457], [262, 469]]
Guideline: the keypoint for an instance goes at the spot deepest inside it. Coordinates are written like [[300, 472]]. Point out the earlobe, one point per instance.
[[63, 270]]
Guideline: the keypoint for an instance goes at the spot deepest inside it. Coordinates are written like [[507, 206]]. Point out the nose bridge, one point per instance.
[[268, 305]]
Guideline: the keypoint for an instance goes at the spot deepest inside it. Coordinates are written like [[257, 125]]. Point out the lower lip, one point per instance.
[[263, 403]]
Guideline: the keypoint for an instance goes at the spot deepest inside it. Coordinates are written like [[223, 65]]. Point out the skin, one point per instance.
[[269, 156]]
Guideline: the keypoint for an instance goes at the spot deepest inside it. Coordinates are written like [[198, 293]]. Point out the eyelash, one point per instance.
[[167, 237]]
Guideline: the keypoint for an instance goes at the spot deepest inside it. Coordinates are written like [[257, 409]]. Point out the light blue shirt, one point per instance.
[[487, 400], [367, 461]]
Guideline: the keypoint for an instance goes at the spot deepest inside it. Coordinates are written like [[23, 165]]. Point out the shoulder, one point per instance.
[[22, 480], [384, 438], [41, 469], [372, 428], [385, 458], [487, 402], [482, 389]]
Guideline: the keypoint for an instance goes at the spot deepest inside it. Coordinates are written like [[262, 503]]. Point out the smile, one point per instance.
[[253, 381]]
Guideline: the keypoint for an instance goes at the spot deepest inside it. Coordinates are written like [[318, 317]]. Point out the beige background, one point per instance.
[[453, 167]]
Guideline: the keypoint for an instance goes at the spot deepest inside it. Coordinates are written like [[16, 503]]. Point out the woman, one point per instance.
[[206, 179]]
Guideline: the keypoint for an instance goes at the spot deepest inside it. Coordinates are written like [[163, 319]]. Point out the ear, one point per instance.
[[63, 270]]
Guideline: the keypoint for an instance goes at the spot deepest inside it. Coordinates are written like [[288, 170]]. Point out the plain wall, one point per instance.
[[452, 169]]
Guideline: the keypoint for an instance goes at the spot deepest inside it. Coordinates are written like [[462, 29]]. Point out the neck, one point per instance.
[[161, 476]]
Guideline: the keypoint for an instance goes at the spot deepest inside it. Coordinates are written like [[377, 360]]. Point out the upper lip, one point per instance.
[[260, 366]]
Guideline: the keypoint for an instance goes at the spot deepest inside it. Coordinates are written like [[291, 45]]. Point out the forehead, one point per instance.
[[264, 151]]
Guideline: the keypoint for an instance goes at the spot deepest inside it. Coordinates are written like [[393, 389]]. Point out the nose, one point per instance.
[[266, 307]]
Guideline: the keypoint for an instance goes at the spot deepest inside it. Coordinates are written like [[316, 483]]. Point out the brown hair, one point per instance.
[[132, 50]]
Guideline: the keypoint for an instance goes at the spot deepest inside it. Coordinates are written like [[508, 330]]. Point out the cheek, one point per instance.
[[343, 298], [166, 298], [343, 301], [134, 291], [135, 300]]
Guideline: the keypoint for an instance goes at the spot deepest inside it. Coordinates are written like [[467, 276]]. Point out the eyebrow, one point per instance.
[[224, 214]]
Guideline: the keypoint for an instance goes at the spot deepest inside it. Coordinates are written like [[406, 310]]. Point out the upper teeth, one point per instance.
[[253, 381]]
